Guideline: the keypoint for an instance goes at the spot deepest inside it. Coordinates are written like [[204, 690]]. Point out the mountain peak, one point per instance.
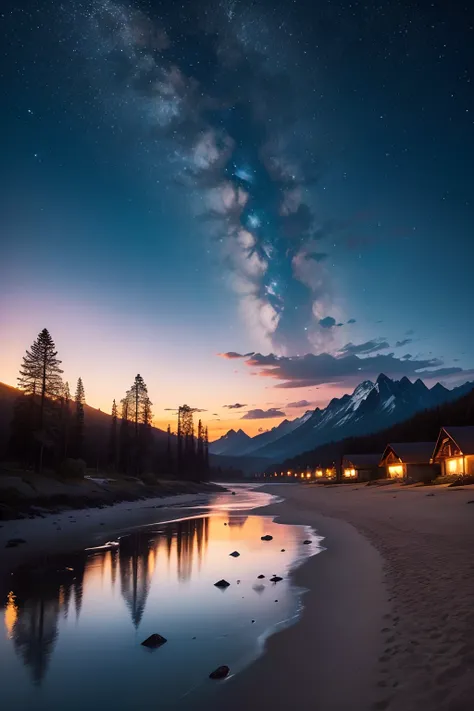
[[383, 379]]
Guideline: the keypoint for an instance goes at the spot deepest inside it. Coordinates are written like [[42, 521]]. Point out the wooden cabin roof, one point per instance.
[[463, 437], [410, 452], [361, 461]]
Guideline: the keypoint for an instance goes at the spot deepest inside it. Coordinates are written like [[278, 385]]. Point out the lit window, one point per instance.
[[395, 470], [350, 473], [308, 475], [329, 472], [455, 466], [319, 472]]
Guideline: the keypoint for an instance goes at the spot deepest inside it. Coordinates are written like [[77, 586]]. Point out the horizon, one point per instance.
[[245, 216]]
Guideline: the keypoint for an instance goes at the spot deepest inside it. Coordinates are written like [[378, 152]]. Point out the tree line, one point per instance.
[[49, 427]]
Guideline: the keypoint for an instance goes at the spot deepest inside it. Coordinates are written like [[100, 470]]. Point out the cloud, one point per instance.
[[404, 342], [263, 414], [410, 332], [376, 344], [235, 406], [339, 325], [215, 414], [299, 403], [311, 370], [327, 322], [197, 409], [351, 320], [231, 355]]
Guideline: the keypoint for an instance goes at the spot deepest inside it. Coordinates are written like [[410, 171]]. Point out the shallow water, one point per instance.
[[73, 625]]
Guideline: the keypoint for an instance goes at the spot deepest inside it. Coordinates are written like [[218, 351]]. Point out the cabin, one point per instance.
[[410, 461], [454, 451], [325, 472], [360, 467]]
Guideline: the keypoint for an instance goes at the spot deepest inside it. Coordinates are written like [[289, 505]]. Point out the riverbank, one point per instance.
[[25, 494], [389, 617]]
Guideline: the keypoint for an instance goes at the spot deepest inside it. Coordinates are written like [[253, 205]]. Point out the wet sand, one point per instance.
[[389, 616]]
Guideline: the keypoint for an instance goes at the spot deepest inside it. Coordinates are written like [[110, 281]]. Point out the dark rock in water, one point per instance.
[[253, 621], [233, 493], [238, 582], [306, 543], [266, 538], [471, 501], [260, 577], [276, 600], [235, 554], [13, 542], [282, 550], [222, 584], [219, 673], [154, 641], [275, 579], [225, 524], [194, 637]]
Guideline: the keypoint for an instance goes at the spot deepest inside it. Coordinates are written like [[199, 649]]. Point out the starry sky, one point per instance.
[[255, 205]]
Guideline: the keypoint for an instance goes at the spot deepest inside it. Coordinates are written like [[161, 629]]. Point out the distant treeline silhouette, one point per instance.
[[422, 427], [49, 428]]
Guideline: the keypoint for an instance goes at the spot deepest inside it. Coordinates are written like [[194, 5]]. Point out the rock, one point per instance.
[[222, 584], [471, 501], [194, 637], [225, 524], [253, 621], [260, 577], [276, 600], [282, 550], [154, 641], [275, 579], [235, 554], [238, 582], [233, 493], [266, 538], [306, 543], [13, 542], [219, 673]]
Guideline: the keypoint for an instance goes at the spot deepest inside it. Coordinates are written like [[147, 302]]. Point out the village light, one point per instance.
[[349, 473], [455, 465], [319, 472], [308, 475]]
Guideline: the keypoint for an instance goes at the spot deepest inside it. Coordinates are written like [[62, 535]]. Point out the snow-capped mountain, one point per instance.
[[371, 407]]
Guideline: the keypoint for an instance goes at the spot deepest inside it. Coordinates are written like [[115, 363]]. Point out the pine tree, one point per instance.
[[206, 454], [169, 455], [66, 418], [124, 438], [40, 380], [78, 435], [200, 451], [113, 444], [138, 406]]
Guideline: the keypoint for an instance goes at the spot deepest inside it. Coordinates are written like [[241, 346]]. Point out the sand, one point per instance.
[[389, 617]]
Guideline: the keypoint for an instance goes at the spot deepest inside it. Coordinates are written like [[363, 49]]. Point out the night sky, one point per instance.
[[286, 184]]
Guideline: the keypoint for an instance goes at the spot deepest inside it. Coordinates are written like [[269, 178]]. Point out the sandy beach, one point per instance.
[[388, 619], [389, 613]]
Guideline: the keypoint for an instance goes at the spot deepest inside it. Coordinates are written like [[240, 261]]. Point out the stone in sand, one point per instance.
[[219, 673], [222, 584], [233, 493], [306, 543], [235, 554], [282, 550], [13, 542], [275, 579], [266, 538], [260, 577], [154, 641]]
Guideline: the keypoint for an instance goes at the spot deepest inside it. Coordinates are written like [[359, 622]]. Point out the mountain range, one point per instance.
[[370, 408]]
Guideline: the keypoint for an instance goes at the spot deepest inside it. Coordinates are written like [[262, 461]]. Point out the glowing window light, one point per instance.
[[308, 475], [395, 470], [302, 476], [329, 472], [350, 473], [455, 466], [289, 473], [319, 472]]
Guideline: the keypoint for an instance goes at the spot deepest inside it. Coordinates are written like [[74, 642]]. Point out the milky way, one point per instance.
[[215, 91]]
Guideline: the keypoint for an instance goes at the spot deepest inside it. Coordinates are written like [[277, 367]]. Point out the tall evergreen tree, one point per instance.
[[200, 464], [169, 455], [124, 437], [138, 406], [207, 468], [78, 434], [66, 418], [40, 380], [113, 439]]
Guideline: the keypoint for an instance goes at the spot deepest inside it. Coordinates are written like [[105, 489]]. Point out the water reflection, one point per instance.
[[157, 579]]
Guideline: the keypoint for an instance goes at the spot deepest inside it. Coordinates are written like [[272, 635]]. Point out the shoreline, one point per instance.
[[325, 659]]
